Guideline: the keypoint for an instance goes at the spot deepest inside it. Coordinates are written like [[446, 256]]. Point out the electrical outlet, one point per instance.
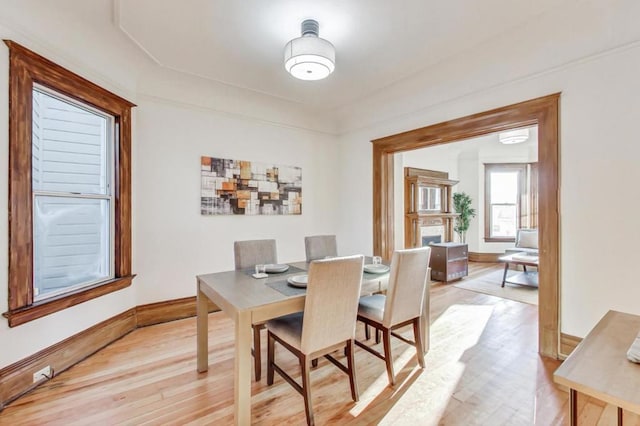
[[43, 373]]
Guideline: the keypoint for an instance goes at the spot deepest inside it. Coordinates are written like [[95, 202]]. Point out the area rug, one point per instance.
[[491, 284]]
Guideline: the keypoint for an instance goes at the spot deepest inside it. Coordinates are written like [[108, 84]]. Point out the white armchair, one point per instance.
[[526, 242]]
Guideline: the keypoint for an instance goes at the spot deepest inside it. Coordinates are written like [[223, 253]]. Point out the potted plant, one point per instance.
[[462, 206]]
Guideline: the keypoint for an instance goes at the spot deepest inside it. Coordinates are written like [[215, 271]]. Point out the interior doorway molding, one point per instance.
[[543, 112]]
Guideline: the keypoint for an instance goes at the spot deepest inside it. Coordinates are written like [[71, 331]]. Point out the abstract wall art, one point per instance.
[[249, 188]]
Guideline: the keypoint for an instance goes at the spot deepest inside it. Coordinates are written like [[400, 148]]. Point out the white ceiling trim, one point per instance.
[[231, 114], [117, 21], [117, 18], [485, 90], [26, 37]]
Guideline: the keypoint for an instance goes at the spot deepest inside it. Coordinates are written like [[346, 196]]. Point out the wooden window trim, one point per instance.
[[25, 69], [521, 168], [499, 240]]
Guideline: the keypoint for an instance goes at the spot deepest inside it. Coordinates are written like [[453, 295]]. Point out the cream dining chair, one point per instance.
[[320, 246], [401, 306], [247, 254], [327, 323]]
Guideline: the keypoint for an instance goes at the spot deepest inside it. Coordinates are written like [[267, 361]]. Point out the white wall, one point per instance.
[[590, 53], [178, 119], [598, 120], [173, 241]]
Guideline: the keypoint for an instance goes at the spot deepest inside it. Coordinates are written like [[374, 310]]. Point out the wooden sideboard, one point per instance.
[[449, 261]]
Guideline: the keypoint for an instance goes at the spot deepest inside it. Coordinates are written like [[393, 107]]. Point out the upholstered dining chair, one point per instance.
[[320, 246], [327, 323], [401, 306], [252, 252], [247, 254]]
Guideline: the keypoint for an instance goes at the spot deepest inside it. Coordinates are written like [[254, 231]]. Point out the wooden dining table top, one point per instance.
[[243, 291]]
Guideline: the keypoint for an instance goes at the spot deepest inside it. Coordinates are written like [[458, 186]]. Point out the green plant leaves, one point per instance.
[[462, 205]]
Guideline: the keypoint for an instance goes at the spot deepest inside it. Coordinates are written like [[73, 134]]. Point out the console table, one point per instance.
[[449, 261], [599, 367]]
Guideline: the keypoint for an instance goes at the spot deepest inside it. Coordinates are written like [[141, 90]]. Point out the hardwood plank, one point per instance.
[[482, 368], [17, 378]]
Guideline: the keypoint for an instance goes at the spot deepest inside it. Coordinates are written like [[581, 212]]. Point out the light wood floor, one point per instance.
[[482, 369]]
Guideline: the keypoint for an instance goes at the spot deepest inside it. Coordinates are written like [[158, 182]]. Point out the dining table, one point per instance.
[[248, 300]]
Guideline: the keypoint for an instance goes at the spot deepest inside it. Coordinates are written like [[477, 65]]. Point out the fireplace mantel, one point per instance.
[[417, 222], [428, 205]]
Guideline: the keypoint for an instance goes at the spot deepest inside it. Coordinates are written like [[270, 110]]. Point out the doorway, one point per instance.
[[542, 112]]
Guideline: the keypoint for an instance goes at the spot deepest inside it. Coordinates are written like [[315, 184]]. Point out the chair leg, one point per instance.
[[352, 372], [417, 336], [314, 362], [367, 332], [377, 336], [386, 340], [270, 358], [257, 359], [306, 389]]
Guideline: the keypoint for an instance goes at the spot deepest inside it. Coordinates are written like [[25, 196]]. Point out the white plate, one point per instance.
[[376, 269], [276, 268], [298, 280]]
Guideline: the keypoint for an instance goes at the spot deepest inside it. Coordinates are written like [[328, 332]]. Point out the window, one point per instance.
[[71, 159], [69, 188], [509, 200]]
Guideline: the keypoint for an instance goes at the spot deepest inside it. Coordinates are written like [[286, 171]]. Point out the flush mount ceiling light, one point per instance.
[[513, 136], [309, 57]]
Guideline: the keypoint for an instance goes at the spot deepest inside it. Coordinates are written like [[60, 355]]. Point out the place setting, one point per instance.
[[293, 285], [272, 269], [298, 281], [376, 266]]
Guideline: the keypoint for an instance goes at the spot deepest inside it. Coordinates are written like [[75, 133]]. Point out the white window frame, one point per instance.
[[108, 164]]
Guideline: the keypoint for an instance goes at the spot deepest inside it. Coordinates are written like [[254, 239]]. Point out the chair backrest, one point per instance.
[[320, 246], [527, 238], [331, 304], [407, 285], [252, 252]]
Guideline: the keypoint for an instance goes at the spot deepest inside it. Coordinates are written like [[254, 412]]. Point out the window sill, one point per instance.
[[46, 307], [500, 240]]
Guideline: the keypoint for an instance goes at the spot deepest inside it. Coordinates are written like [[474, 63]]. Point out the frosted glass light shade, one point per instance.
[[309, 57], [513, 136]]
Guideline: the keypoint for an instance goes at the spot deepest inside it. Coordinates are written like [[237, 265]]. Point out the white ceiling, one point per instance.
[[486, 145], [378, 42]]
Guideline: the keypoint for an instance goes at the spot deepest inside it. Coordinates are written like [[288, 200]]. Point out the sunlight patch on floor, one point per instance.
[[382, 381], [459, 328]]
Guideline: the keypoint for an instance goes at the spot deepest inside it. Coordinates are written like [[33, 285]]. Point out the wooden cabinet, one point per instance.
[[449, 261]]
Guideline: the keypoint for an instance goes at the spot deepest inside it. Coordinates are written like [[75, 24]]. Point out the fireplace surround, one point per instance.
[[428, 206]]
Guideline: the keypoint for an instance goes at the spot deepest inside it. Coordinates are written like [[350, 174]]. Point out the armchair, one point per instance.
[[526, 242]]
